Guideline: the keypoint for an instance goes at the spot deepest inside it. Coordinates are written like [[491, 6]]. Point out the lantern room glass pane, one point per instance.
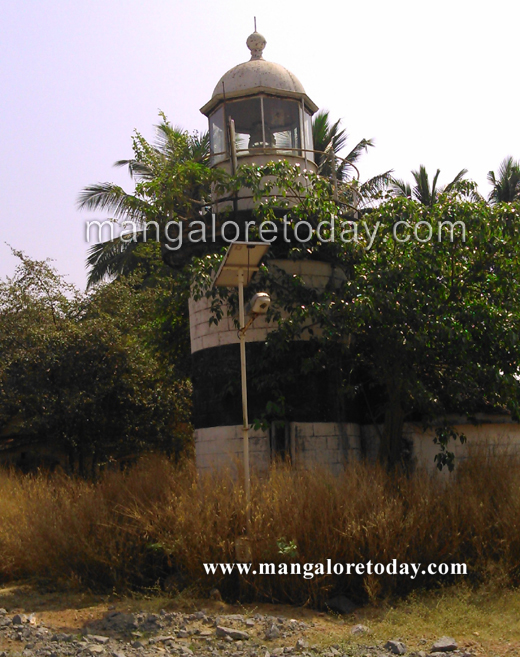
[[282, 125], [247, 115], [217, 136], [309, 145]]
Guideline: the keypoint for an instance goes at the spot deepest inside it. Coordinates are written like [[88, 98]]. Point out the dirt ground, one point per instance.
[[483, 624]]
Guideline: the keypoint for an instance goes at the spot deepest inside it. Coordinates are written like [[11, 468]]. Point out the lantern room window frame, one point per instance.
[[301, 141]]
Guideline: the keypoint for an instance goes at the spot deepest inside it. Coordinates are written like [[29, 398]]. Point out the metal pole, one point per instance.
[[243, 372]]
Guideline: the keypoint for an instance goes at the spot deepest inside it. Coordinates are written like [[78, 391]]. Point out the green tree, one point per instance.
[[506, 185], [173, 181], [80, 372], [421, 326], [423, 191]]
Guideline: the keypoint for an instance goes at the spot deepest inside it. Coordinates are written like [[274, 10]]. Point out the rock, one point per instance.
[[277, 652], [162, 639], [340, 604], [272, 633], [137, 644], [237, 635], [120, 621], [18, 619], [118, 654], [359, 629], [103, 640], [250, 622], [395, 647], [301, 644], [444, 644]]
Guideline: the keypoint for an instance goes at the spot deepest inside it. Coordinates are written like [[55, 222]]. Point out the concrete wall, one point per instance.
[[217, 447], [332, 445], [311, 443]]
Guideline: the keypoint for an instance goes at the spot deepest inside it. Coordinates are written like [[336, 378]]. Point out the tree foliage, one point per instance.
[[506, 184], [425, 192], [83, 372], [173, 181], [431, 325]]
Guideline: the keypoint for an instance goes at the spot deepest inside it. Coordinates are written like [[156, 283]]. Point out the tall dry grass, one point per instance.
[[160, 523]]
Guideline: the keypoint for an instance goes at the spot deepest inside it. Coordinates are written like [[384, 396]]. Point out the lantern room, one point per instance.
[[258, 112]]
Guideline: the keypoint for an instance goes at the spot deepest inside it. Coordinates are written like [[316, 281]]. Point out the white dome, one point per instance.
[[257, 73], [257, 76]]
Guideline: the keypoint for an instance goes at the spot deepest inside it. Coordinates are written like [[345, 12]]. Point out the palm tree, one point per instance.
[[175, 157], [506, 187], [329, 140], [424, 192]]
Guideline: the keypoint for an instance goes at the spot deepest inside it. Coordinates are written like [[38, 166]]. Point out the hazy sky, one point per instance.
[[432, 83]]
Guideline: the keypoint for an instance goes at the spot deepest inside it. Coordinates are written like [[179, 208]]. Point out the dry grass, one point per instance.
[[158, 523]]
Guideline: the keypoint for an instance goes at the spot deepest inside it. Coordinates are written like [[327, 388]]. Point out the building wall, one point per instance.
[[204, 335], [332, 445]]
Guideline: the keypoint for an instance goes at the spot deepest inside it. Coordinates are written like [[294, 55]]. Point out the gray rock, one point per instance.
[[359, 629], [162, 639], [137, 644], [96, 650], [340, 604], [103, 640], [237, 635], [18, 619], [444, 644], [273, 632], [396, 647], [118, 654], [301, 644]]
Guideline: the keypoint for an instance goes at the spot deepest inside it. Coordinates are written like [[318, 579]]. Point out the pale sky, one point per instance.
[[431, 83]]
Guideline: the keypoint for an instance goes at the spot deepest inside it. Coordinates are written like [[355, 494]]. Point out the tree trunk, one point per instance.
[[391, 446]]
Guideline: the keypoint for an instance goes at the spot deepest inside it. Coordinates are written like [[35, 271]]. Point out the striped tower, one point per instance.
[[259, 112]]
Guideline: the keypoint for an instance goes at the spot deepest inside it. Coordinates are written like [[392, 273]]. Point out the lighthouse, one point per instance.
[[259, 112]]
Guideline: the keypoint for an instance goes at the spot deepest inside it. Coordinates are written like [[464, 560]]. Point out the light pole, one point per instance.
[[237, 269]]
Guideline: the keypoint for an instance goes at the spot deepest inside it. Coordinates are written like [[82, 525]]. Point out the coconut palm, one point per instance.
[[506, 186], [424, 192], [329, 140], [173, 179]]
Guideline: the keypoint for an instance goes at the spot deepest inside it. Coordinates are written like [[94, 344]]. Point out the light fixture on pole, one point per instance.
[[238, 267]]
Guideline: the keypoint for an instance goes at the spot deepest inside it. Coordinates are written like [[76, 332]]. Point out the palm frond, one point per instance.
[[506, 185], [399, 187], [107, 196]]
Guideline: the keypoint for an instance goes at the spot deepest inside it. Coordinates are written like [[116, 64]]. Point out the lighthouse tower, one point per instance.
[[259, 112]]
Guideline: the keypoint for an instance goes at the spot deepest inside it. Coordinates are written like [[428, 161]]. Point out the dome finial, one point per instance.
[[256, 44]]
